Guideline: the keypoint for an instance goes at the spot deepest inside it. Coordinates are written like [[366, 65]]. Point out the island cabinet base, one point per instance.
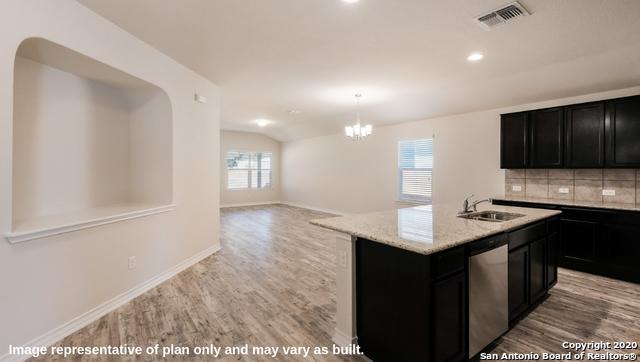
[[414, 307], [410, 306], [533, 267]]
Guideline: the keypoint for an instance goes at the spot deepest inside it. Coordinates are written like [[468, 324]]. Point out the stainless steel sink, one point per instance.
[[491, 216]]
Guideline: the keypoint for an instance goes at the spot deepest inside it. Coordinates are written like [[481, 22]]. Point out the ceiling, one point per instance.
[[407, 57]]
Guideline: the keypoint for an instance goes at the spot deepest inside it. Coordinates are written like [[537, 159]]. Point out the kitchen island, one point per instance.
[[422, 283]]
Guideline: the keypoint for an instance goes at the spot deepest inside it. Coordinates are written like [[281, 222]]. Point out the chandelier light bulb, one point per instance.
[[348, 130], [357, 131], [368, 129]]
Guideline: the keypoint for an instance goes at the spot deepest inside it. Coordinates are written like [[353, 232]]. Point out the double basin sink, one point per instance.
[[491, 216]]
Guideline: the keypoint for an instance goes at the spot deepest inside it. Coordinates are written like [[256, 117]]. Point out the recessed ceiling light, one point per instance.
[[351, 1], [262, 122], [474, 57]]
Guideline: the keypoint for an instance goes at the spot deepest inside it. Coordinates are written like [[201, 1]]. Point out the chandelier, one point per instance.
[[358, 132]]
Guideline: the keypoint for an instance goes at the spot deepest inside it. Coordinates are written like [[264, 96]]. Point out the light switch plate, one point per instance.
[[608, 192], [342, 259], [199, 98], [563, 190], [516, 188]]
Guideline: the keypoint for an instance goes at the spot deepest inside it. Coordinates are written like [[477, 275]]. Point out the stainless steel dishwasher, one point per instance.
[[488, 292]]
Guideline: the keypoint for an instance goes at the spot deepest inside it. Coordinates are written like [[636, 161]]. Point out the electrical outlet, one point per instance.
[[517, 188], [132, 262], [563, 190], [608, 192]]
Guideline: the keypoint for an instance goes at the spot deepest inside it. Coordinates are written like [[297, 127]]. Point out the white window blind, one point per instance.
[[248, 170], [415, 169]]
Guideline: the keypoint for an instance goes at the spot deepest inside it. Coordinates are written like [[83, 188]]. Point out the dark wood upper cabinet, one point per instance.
[[546, 129], [514, 131], [623, 132], [584, 135], [604, 134]]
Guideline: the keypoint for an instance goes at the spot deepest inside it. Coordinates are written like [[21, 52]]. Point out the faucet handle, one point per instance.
[[465, 204]]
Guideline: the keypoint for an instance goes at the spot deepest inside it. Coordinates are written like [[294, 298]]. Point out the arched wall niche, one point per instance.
[[91, 143]]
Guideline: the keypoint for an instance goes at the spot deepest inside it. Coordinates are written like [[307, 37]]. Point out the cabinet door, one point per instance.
[[620, 251], [518, 281], [514, 141], [578, 242], [537, 270], [585, 135], [623, 132], [546, 138], [450, 318], [392, 302], [552, 260]]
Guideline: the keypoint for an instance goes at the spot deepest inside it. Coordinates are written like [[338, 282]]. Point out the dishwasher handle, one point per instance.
[[481, 246]]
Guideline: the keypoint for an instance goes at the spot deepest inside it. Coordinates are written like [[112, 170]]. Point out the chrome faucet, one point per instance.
[[467, 206]]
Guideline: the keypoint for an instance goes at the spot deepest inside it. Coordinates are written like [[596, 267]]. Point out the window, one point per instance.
[[248, 170], [415, 170]]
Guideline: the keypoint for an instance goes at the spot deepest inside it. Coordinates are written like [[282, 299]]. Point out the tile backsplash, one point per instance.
[[604, 185]]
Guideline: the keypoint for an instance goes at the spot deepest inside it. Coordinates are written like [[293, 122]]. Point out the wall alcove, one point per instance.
[[91, 144]]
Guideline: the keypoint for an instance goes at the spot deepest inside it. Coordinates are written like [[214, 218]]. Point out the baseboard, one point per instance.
[[328, 211], [342, 339], [250, 204], [96, 313]]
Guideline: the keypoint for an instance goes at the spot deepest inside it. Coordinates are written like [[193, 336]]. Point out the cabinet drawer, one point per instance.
[[528, 234], [448, 262]]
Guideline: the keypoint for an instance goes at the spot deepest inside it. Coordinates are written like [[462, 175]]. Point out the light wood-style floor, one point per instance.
[[273, 283]]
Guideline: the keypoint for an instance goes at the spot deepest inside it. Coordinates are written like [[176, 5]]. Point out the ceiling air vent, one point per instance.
[[501, 15]]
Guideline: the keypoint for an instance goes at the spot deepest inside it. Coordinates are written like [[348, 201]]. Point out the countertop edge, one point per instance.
[[433, 250], [570, 203]]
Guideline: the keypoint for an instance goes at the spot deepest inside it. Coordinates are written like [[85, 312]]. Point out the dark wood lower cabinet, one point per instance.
[[538, 284], [410, 305], [552, 259], [533, 269], [621, 251], [414, 307], [598, 241], [450, 318], [518, 281], [579, 239], [393, 302]]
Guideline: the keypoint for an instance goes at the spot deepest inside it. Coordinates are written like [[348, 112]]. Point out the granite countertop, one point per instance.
[[430, 228], [593, 204]]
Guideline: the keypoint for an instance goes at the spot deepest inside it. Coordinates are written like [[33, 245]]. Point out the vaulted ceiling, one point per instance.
[[407, 57]]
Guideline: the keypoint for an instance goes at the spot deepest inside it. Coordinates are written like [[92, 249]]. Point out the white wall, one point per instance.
[[150, 147], [71, 143], [48, 282], [255, 142], [334, 173]]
